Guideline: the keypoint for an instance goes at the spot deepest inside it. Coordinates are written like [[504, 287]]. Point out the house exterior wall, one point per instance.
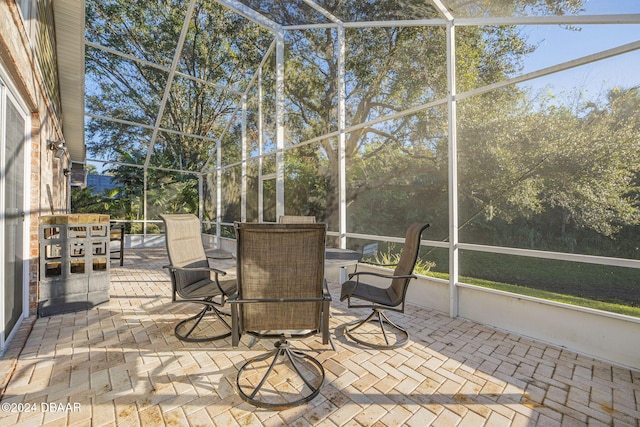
[[27, 56]]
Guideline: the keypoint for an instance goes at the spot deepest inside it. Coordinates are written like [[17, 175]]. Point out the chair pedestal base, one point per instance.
[[283, 353], [378, 316], [191, 328]]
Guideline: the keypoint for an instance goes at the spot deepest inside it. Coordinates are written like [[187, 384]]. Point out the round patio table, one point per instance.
[[338, 258], [218, 254], [341, 258], [334, 257]]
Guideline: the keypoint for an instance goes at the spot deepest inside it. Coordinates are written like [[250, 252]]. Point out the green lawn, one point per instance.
[[552, 296], [613, 289]]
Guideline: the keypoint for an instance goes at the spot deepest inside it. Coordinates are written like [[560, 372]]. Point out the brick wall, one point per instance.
[[32, 69]]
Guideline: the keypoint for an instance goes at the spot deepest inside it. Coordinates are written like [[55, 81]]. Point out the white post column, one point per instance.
[[260, 149], [342, 160], [243, 180], [218, 192], [200, 197], [279, 124], [144, 204], [453, 172]]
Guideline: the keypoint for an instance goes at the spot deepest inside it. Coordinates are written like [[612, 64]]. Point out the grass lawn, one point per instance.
[[614, 289], [552, 296]]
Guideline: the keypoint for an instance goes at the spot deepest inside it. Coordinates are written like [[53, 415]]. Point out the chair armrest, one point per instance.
[[326, 294], [377, 264], [386, 276], [234, 301], [218, 258], [274, 300], [210, 269]]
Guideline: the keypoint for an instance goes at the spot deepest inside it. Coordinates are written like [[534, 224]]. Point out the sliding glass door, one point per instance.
[[13, 142]]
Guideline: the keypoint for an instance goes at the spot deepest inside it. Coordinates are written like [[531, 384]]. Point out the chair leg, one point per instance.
[[284, 353], [196, 321], [378, 316], [252, 342]]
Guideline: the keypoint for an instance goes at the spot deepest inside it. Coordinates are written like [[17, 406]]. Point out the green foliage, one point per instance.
[[304, 185], [551, 170], [390, 257], [534, 172], [83, 200], [221, 47]]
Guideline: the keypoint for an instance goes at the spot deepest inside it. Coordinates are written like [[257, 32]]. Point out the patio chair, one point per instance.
[[282, 294], [379, 298], [116, 234], [194, 281], [296, 219]]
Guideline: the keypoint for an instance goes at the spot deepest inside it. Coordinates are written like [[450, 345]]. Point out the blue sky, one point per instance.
[[557, 44], [597, 7]]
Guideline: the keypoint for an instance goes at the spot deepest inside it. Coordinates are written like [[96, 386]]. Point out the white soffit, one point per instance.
[[69, 26]]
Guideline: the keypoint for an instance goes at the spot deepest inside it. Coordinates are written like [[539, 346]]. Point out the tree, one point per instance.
[[221, 50], [390, 70], [556, 170]]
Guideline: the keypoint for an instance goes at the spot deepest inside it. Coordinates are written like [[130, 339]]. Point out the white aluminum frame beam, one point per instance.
[[552, 20], [260, 148], [342, 122], [322, 10], [620, 50], [243, 178], [251, 15], [172, 72], [279, 124], [161, 67], [149, 127], [443, 9], [519, 20], [218, 191], [133, 165], [454, 252]]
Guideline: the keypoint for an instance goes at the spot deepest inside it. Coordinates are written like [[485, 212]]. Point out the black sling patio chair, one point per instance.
[[195, 281], [379, 299], [282, 294]]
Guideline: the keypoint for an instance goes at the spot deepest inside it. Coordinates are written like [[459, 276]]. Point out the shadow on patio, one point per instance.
[[120, 364]]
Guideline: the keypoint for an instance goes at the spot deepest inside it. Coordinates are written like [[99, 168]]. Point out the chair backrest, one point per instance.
[[283, 262], [408, 258], [296, 219], [185, 248]]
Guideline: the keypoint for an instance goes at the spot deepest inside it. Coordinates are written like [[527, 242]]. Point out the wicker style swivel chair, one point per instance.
[[281, 294], [194, 281], [296, 219], [384, 298]]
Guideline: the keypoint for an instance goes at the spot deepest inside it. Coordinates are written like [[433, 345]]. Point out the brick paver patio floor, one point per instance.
[[120, 364]]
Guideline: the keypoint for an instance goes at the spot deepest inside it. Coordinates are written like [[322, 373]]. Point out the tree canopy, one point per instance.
[[530, 165]]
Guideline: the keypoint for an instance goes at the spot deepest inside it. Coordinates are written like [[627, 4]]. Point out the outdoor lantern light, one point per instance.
[[58, 147]]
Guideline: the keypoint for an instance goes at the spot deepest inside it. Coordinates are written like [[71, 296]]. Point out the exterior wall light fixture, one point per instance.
[[58, 147]]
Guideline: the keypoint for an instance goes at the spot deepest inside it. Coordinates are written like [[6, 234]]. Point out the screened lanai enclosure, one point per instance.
[[512, 127]]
